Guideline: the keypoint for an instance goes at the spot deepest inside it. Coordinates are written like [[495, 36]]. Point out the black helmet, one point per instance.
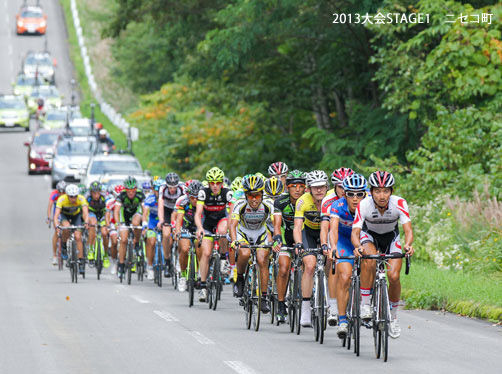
[[172, 179], [194, 188]]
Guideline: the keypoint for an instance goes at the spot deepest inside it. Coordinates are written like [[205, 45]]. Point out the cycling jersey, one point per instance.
[[214, 206], [326, 203], [340, 209], [170, 199], [68, 208], [188, 210], [285, 208], [152, 203], [129, 207], [368, 218], [253, 223], [307, 211], [239, 194], [97, 207]]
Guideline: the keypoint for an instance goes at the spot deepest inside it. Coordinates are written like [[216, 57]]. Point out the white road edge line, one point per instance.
[[139, 299], [200, 338], [166, 316], [239, 367]]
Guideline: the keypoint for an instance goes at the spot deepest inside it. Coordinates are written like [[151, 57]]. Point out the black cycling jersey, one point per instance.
[[284, 205], [130, 206], [214, 205], [188, 214], [98, 207]]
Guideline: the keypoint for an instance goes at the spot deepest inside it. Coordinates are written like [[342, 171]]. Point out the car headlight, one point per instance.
[[42, 24], [58, 165], [20, 23], [34, 154]]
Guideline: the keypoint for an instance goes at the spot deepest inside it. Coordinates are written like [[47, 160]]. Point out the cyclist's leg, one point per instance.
[[104, 236], [136, 221], [222, 229], [344, 268], [92, 230], [114, 242], [283, 274], [166, 233], [393, 275], [262, 257], [151, 239], [206, 249], [309, 263], [54, 242], [77, 221], [367, 274], [123, 232], [184, 246]]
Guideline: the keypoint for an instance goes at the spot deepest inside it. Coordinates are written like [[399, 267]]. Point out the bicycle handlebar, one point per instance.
[[70, 227]]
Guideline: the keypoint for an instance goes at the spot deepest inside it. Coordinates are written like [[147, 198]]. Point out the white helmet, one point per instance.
[[317, 178], [72, 190], [103, 132]]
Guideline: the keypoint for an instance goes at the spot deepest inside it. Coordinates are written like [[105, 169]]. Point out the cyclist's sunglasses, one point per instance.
[[130, 189], [359, 194], [254, 196], [294, 185], [216, 183]]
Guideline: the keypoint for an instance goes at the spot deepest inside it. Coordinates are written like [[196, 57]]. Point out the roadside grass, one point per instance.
[[86, 95], [470, 294]]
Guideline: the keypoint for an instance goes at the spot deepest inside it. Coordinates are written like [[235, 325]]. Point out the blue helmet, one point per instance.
[[354, 182], [157, 183], [146, 185]]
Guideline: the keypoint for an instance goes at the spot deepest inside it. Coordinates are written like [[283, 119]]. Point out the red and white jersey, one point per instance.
[[326, 203], [369, 218], [180, 201]]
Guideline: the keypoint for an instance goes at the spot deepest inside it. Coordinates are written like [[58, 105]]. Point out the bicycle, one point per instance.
[[251, 297], [139, 260], [174, 261], [353, 310], [294, 297], [192, 265], [319, 300], [129, 252], [99, 251], [158, 259], [214, 281], [71, 247], [380, 305], [59, 253], [272, 287]]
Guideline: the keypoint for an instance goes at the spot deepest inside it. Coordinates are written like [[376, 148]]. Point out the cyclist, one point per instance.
[[273, 188], [212, 201], [97, 213], [147, 188], [128, 211], [150, 221], [110, 222], [337, 192], [306, 233], [185, 220], [375, 229], [280, 170], [168, 194], [72, 209], [248, 225], [51, 208], [284, 215], [237, 193], [342, 214], [104, 138]]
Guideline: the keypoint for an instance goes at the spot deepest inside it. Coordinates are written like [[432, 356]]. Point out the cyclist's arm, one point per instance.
[[146, 210], [408, 234], [324, 231], [116, 212], [49, 208], [198, 215], [277, 224], [85, 213], [355, 237], [179, 220], [161, 206], [107, 218], [297, 230], [57, 213], [333, 231], [233, 229]]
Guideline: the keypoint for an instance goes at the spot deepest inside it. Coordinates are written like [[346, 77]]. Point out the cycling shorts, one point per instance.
[[151, 234], [75, 220], [210, 226], [385, 243], [253, 237], [345, 248], [310, 239], [167, 214], [101, 221]]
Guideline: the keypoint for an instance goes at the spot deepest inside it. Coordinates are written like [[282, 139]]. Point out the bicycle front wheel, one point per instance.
[[99, 256], [356, 317], [191, 277], [129, 261], [216, 281], [298, 303], [256, 297], [322, 308], [385, 322]]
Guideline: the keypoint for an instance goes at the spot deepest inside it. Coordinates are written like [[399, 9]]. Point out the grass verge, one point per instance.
[[86, 94], [467, 294]]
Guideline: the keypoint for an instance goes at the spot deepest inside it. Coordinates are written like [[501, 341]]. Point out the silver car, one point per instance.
[[71, 158], [39, 64]]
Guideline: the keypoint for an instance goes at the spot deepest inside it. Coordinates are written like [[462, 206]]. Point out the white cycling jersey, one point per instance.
[[368, 218], [170, 199]]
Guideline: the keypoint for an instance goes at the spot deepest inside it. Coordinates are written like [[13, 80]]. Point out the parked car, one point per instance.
[[31, 20], [13, 112], [41, 150], [71, 158], [41, 65], [114, 168]]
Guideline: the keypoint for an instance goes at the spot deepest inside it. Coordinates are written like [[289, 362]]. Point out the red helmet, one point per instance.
[[188, 182], [98, 125], [339, 175], [119, 189], [381, 179], [277, 168]]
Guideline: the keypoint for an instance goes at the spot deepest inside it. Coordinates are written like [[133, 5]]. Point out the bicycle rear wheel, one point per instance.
[[129, 259], [322, 308], [191, 277], [60, 255], [247, 299], [99, 259], [256, 297], [290, 305], [356, 317], [385, 322], [377, 334], [216, 281], [299, 299]]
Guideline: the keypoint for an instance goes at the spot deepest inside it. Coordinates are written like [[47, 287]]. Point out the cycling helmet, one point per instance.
[[72, 190], [194, 188], [95, 187], [130, 183], [253, 183], [260, 175], [146, 185], [226, 181], [381, 179], [118, 189], [277, 168], [61, 186], [172, 179], [274, 186], [98, 125], [205, 184], [215, 175], [187, 183], [317, 178], [354, 182], [236, 184], [157, 183], [339, 175], [83, 189], [155, 177], [295, 176], [103, 132]]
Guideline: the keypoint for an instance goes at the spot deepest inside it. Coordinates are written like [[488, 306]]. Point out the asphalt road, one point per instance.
[[49, 325]]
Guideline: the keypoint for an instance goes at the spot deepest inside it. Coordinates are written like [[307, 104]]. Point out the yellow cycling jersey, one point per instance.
[[68, 208], [307, 210]]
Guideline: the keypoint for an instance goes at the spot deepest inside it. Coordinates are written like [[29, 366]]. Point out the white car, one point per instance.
[[113, 168], [81, 127]]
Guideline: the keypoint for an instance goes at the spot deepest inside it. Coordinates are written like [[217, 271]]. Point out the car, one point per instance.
[[31, 20], [53, 119], [49, 94], [113, 168], [41, 65], [24, 84], [71, 158], [81, 127], [41, 150], [13, 112]]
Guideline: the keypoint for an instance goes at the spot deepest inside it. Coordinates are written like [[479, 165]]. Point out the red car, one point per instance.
[[31, 20], [41, 150]]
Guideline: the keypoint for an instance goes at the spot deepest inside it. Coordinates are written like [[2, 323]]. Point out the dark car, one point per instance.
[[41, 150]]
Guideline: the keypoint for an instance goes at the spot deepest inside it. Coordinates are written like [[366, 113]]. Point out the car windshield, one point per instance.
[[56, 116], [45, 91], [115, 167], [31, 13], [12, 103], [23, 80], [38, 60], [71, 148], [45, 138], [80, 130]]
